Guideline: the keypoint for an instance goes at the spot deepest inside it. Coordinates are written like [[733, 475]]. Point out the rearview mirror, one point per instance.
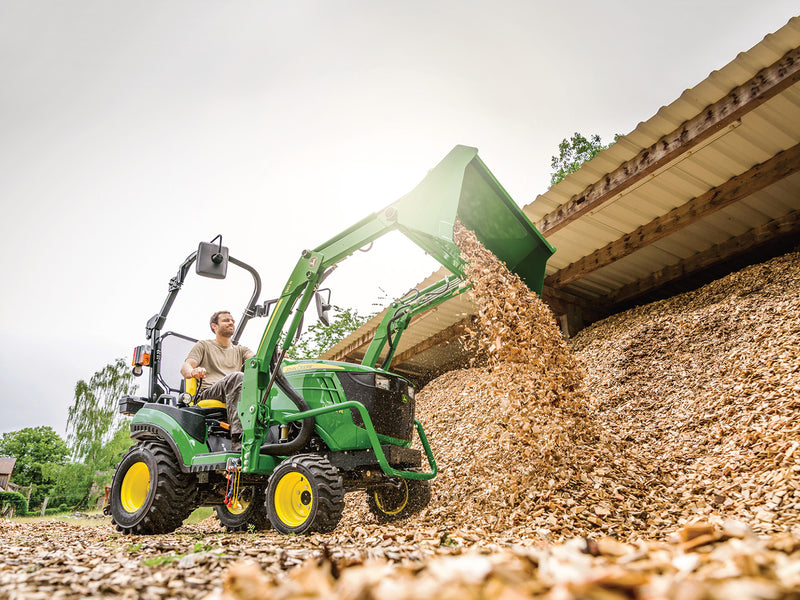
[[323, 307], [212, 259]]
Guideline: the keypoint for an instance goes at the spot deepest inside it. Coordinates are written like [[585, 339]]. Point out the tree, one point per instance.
[[319, 338], [75, 481], [97, 433], [71, 483], [34, 448], [93, 419], [573, 152]]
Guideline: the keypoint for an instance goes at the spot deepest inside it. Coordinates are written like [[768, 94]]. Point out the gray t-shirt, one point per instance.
[[218, 361]]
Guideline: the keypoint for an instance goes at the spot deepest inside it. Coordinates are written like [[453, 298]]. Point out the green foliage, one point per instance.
[[319, 338], [13, 500], [93, 419], [573, 152], [97, 434], [57, 510], [72, 482], [35, 448]]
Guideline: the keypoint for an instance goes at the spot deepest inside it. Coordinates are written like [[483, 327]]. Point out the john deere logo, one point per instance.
[[405, 399]]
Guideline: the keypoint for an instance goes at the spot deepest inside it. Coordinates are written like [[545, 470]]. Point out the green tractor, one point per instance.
[[312, 430]]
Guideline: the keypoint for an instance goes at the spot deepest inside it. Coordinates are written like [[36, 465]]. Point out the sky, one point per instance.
[[132, 131]]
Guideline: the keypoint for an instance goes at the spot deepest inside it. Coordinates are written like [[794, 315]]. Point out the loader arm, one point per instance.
[[399, 314], [460, 188]]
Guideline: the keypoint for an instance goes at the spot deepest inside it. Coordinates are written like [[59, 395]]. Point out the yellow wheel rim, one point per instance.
[[293, 499], [387, 506], [135, 486]]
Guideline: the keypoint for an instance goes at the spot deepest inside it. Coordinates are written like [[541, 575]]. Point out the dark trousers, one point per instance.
[[227, 390]]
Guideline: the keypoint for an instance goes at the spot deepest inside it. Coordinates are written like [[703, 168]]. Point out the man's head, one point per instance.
[[222, 323]]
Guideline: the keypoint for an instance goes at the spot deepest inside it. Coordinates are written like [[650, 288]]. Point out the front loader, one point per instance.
[[312, 430]]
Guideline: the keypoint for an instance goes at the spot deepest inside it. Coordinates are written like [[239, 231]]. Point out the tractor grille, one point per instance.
[[391, 410]]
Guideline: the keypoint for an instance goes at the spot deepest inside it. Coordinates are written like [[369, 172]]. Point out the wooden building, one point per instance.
[[6, 470]]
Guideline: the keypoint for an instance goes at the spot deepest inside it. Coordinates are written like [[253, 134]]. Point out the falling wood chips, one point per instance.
[[655, 456]]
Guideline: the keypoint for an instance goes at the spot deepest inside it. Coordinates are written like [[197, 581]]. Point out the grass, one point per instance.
[[67, 518], [198, 515]]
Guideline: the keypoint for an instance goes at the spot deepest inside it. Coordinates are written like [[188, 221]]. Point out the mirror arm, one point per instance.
[[156, 322]]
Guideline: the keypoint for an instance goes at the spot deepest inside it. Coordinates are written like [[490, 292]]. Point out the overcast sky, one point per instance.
[[130, 131]]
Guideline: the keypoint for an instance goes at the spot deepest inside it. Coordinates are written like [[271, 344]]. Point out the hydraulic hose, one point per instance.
[[307, 425]]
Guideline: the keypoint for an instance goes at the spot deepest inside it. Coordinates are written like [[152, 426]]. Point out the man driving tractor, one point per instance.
[[218, 365]]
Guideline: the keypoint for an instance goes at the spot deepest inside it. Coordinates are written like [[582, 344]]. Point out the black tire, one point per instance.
[[150, 494], [249, 511], [305, 494], [389, 503]]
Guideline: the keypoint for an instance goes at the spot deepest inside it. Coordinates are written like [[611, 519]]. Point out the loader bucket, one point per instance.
[[461, 188]]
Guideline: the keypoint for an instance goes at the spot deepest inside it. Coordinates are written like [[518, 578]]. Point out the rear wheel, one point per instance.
[[395, 502], [305, 494], [150, 494], [249, 510]]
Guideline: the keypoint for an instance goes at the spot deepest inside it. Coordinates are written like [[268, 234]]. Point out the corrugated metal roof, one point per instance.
[[759, 135]]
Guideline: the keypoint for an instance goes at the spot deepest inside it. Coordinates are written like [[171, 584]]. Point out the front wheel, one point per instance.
[[150, 494], [245, 512], [305, 494], [393, 502]]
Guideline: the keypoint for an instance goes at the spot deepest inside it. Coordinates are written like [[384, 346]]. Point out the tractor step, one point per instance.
[[397, 456]]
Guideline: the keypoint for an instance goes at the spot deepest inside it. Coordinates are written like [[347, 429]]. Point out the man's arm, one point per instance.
[[190, 369], [246, 353]]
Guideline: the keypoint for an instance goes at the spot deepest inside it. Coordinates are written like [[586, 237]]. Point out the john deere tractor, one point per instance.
[[312, 430]]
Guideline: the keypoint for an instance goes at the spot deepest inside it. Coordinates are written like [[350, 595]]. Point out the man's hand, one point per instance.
[[198, 373], [190, 369]]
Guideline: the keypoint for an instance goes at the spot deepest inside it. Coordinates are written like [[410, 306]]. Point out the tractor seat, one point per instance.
[[210, 408], [191, 386], [211, 403]]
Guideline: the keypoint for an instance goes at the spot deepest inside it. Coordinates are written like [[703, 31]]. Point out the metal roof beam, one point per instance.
[[737, 188], [766, 84]]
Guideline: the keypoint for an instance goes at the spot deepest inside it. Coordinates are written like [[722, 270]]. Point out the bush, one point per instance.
[[16, 501], [63, 508]]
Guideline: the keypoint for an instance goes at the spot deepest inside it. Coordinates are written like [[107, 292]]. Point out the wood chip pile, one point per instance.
[[517, 439], [706, 386], [691, 411]]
